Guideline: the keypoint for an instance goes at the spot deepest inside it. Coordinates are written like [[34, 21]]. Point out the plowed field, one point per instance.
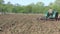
[[27, 24]]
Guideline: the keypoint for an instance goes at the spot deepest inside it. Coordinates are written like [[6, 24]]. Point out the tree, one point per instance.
[[9, 7], [40, 4], [1, 1], [39, 7], [1, 5], [57, 2]]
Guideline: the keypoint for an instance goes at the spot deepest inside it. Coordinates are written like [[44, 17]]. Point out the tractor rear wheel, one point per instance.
[[56, 16]]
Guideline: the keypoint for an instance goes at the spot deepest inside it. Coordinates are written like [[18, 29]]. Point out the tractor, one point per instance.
[[53, 16]]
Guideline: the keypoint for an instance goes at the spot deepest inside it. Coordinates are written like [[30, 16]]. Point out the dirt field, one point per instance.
[[27, 24]]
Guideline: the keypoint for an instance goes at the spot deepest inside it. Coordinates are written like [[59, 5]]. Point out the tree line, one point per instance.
[[31, 8]]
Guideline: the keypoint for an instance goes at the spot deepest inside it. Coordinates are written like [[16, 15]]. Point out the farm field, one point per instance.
[[27, 24]]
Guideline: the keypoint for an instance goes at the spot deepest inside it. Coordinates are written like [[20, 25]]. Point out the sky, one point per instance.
[[26, 2]]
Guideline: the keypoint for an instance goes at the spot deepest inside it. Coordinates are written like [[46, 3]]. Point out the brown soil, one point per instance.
[[27, 24]]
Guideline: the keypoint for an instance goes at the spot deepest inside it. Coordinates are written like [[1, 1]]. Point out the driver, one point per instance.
[[50, 12]]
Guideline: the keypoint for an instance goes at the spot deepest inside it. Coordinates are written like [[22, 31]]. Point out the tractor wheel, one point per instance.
[[56, 16]]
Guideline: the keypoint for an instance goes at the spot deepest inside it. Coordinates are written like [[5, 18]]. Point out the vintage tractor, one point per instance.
[[53, 16]]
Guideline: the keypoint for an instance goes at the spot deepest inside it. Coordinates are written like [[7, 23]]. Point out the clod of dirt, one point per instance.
[[59, 30], [1, 29]]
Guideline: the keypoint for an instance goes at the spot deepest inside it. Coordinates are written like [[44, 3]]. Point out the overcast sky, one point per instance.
[[26, 2]]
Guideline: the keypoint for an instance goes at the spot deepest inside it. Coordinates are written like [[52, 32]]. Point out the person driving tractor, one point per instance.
[[50, 12]]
